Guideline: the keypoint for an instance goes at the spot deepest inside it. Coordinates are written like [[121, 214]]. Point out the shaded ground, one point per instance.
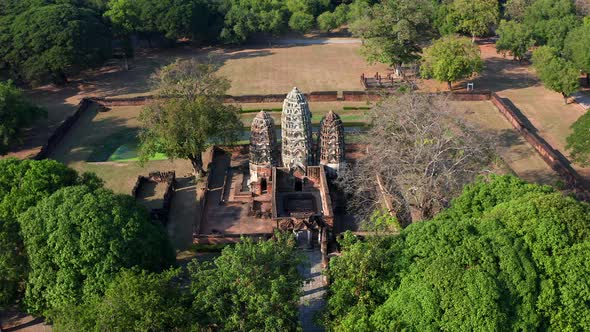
[[151, 194], [518, 154], [544, 109], [11, 321]]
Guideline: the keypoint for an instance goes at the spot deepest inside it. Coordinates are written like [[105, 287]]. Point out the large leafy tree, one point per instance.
[[23, 183], [245, 17], [507, 255], [136, 300], [451, 58], [250, 287], [16, 113], [578, 142], [474, 17], [79, 238], [550, 21], [556, 73], [394, 30], [515, 39], [191, 116], [576, 48], [53, 40]]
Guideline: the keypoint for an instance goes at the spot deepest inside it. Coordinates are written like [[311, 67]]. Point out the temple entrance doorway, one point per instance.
[[263, 185], [298, 185]]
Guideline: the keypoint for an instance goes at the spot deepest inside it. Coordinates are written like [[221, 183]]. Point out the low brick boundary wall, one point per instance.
[[63, 129], [552, 157], [316, 96], [229, 238], [160, 214]]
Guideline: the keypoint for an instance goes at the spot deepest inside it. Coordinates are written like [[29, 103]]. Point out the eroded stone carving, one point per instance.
[[297, 145], [331, 146], [263, 144]]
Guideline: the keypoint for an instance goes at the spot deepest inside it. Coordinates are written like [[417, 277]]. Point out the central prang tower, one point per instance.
[[297, 145]]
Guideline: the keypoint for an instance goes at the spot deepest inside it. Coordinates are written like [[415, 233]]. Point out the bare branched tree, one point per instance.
[[418, 155]]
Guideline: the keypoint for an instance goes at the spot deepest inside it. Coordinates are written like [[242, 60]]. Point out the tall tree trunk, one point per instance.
[[564, 98], [473, 39], [587, 78], [450, 85], [197, 163], [398, 70]]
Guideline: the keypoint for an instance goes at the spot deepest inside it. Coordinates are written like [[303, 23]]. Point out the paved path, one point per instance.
[[314, 291], [583, 99]]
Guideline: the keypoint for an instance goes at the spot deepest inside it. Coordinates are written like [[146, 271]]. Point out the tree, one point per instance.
[[555, 72], [451, 58], [578, 141], [421, 154], [250, 287], [301, 21], [312, 7], [327, 21], [78, 239], [136, 300], [193, 117], [16, 113], [53, 40], [515, 9], [244, 17], [506, 255], [550, 21], [474, 17], [23, 183], [393, 32], [515, 39], [576, 48]]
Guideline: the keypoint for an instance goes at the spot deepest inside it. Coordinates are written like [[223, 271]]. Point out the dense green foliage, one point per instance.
[[514, 39], [47, 42], [135, 300], [79, 238], [473, 17], [556, 73], [578, 142], [16, 113], [550, 21], [451, 58], [576, 48], [193, 117], [393, 31], [506, 255], [22, 185], [250, 287]]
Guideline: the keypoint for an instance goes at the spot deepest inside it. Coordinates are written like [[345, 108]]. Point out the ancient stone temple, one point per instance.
[[263, 145], [297, 145], [331, 143]]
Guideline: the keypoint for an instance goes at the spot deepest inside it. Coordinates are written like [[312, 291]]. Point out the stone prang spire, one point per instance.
[[331, 143], [297, 145], [263, 143]]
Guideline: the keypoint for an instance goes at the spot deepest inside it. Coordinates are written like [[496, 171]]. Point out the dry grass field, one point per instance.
[[545, 109]]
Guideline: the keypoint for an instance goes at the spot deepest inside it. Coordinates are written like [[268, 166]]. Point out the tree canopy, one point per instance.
[[556, 73], [394, 30], [136, 300], [514, 39], [474, 17], [576, 48], [49, 41], [578, 141], [192, 115], [451, 58], [250, 287], [79, 238], [16, 114], [23, 183], [506, 255]]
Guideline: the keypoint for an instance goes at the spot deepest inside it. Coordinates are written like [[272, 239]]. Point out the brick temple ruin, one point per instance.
[[282, 186]]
